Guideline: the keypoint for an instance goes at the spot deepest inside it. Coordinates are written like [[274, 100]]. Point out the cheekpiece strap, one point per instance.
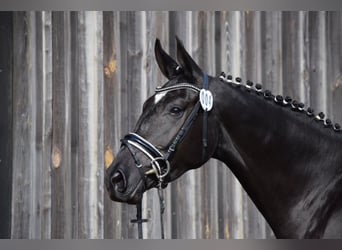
[[206, 100]]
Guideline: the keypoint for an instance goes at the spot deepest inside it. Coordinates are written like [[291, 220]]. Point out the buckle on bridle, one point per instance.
[[159, 171]]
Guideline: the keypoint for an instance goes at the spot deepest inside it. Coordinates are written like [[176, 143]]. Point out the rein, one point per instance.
[[159, 163]]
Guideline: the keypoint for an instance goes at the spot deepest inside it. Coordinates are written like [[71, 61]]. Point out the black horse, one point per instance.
[[287, 158]]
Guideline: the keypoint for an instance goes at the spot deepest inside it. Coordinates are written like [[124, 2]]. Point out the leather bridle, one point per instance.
[[159, 162]]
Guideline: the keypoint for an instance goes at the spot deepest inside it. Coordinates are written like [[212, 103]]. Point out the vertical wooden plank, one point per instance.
[[253, 55], [6, 63], [91, 153], [295, 76], [38, 140], [68, 182], [334, 64], [43, 124], [74, 113], [66, 74], [46, 51], [317, 60], [61, 124], [24, 82], [99, 188], [34, 170], [272, 51], [34, 219], [112, 109]]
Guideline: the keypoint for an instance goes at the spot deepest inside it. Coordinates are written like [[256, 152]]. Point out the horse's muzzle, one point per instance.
[[119, 189]]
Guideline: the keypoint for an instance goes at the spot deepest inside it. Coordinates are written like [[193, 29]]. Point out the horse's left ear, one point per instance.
[[191, 69], [167, 65]]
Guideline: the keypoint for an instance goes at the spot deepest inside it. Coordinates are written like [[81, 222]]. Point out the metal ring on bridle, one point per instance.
[[158, 170]]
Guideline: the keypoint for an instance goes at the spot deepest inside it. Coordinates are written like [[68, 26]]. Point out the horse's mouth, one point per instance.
[[131, 195]]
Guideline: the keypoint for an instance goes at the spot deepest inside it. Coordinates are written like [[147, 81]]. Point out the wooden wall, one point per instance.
[[79, 81]]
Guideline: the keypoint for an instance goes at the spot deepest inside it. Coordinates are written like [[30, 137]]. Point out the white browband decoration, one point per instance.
[[205, 96], [206, 99]]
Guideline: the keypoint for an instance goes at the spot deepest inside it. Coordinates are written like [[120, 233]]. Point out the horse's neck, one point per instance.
[[277, 154]]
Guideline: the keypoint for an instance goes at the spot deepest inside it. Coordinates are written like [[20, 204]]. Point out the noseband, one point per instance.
[[160, 163]]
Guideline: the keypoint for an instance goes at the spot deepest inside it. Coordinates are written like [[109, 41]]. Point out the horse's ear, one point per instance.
[[167, 65], [189, 66]]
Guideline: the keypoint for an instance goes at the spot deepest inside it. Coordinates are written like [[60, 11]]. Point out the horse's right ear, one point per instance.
[[167, 65]]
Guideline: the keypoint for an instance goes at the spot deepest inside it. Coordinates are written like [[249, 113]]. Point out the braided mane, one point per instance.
[[285, 102]]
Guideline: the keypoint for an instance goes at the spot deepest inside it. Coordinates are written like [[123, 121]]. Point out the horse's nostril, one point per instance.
[[118, 181], [116, 177]]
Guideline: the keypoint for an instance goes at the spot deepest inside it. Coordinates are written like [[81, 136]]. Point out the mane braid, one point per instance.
[[281, 101]]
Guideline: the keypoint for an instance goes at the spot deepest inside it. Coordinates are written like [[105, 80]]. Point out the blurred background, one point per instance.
[[73, 83]]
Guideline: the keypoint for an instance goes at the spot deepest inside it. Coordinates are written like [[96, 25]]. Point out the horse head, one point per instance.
[[168, 138]]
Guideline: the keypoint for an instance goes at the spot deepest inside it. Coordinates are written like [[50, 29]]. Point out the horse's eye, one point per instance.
[[176, 111]]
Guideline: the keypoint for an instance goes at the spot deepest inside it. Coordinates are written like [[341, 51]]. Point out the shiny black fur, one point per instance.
[[287, 158]]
